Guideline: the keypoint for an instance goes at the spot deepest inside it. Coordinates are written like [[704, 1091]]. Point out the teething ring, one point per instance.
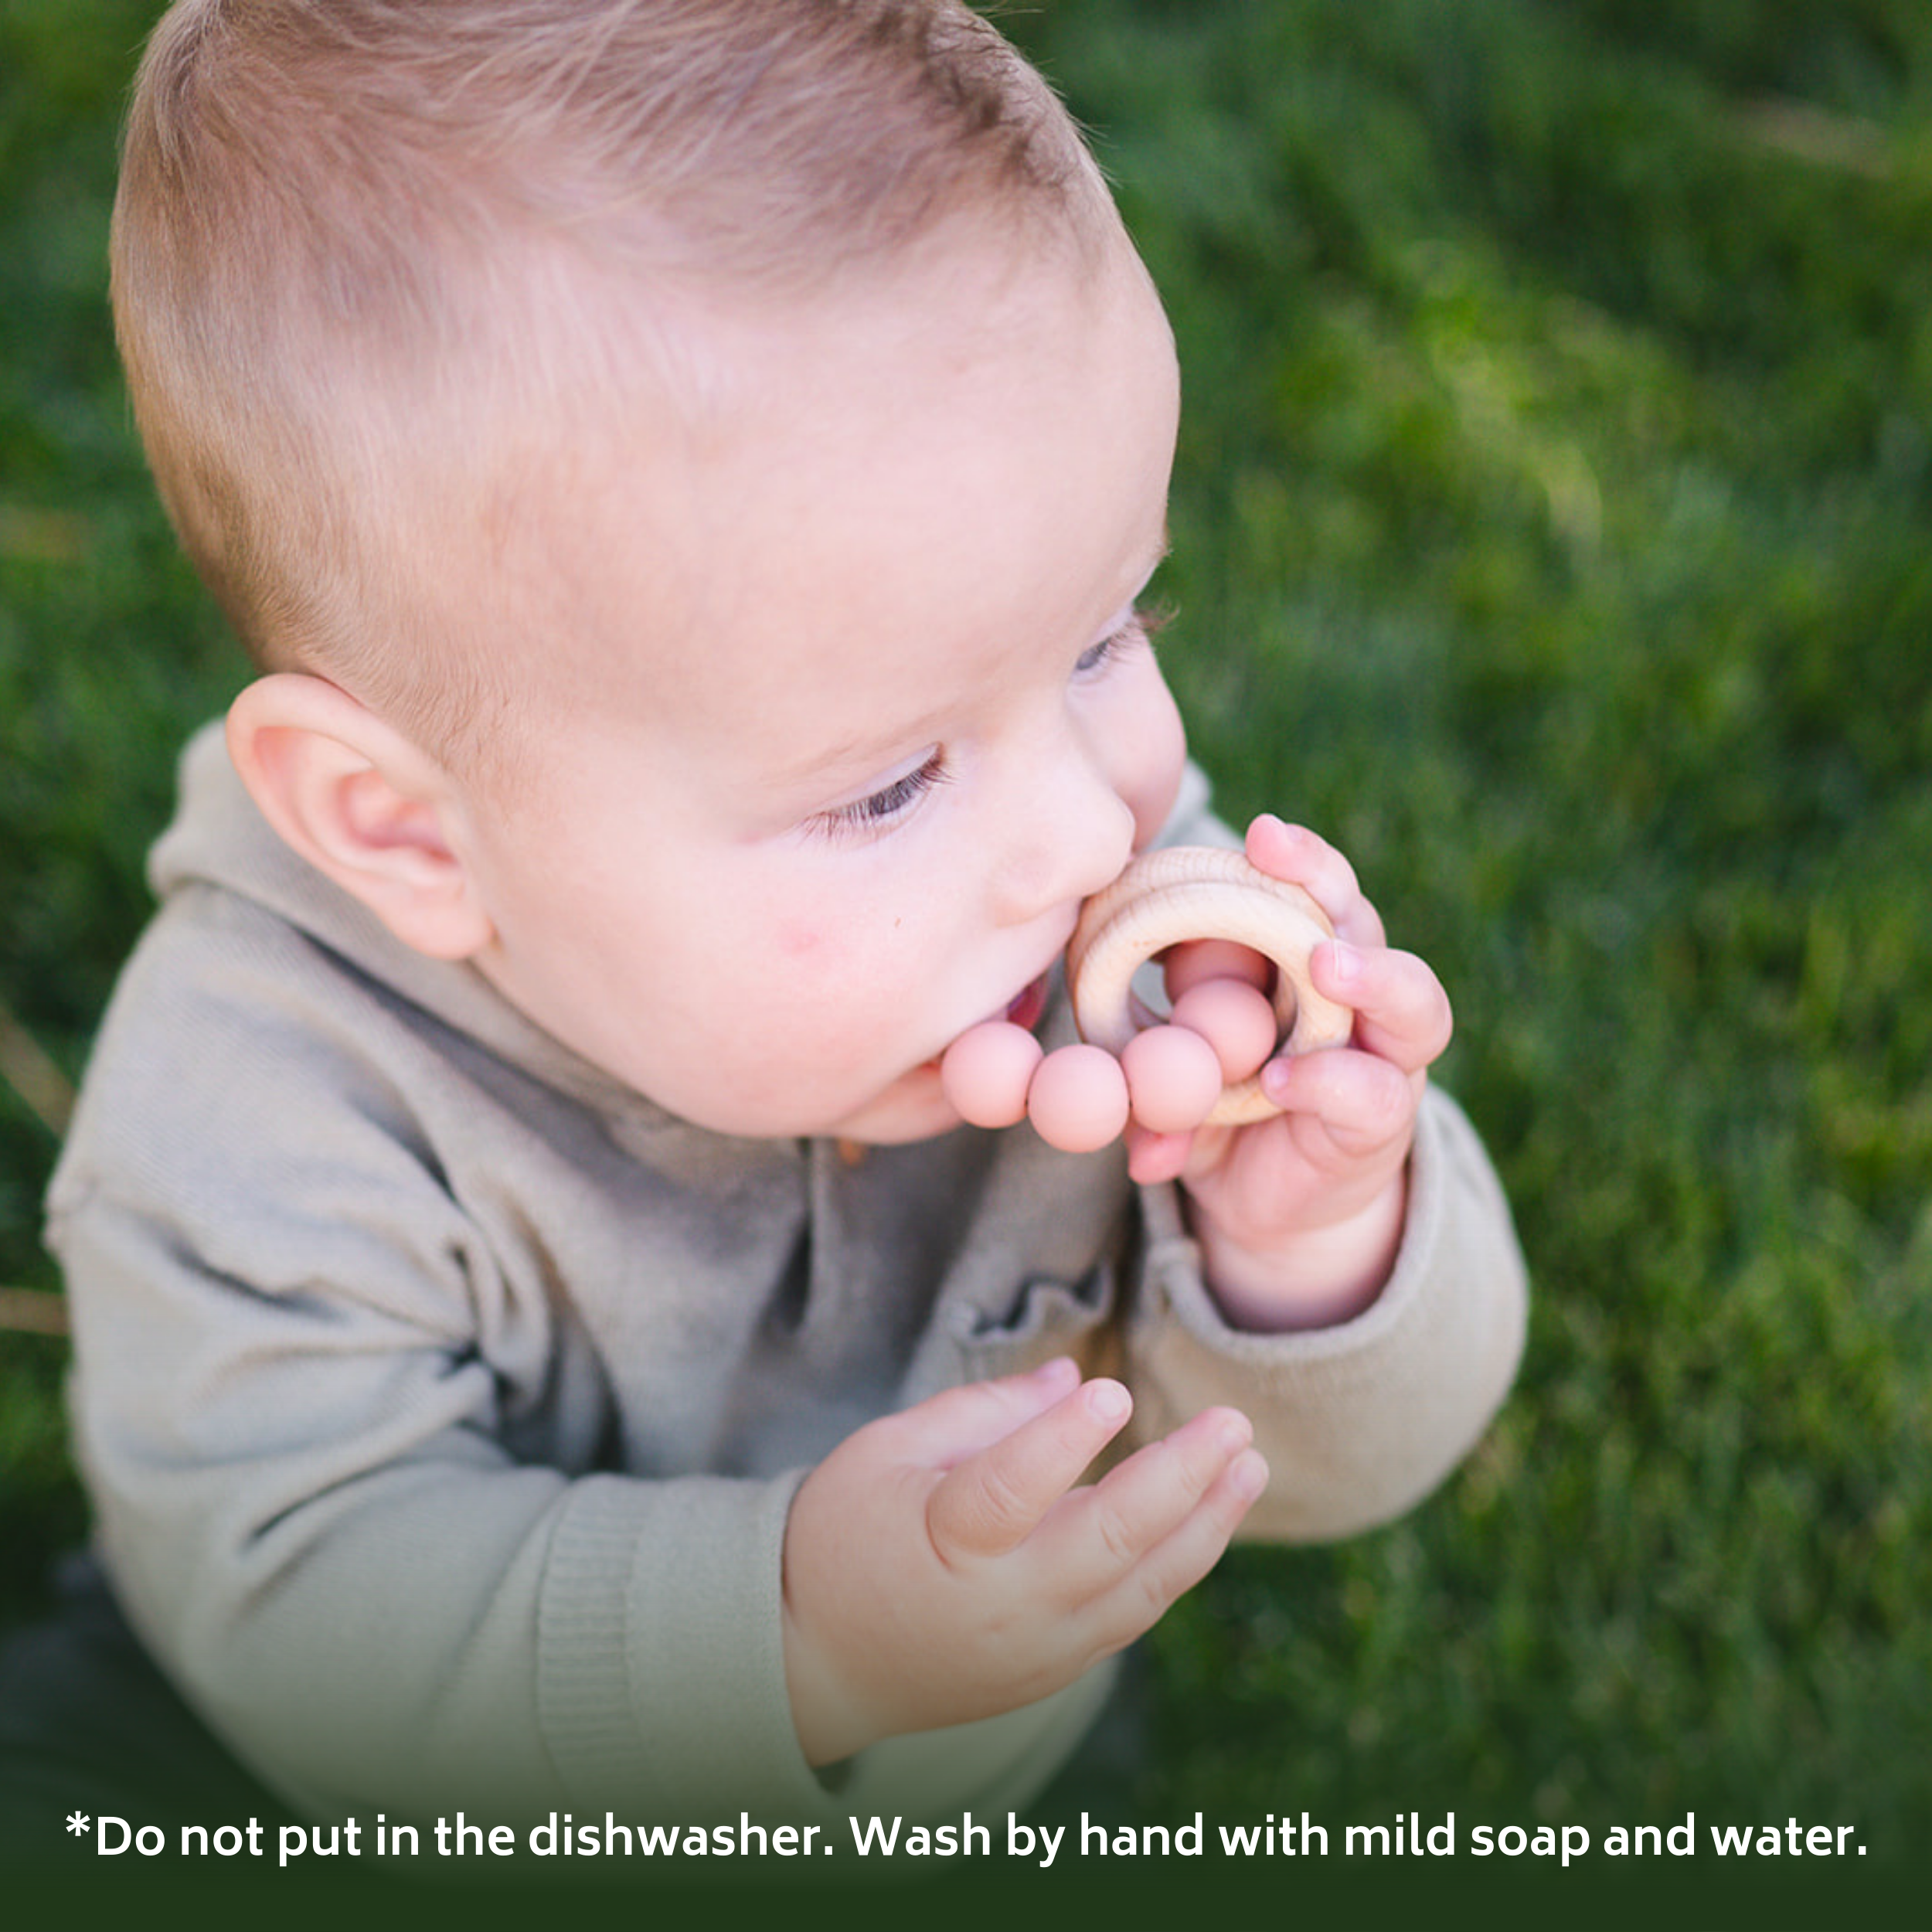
[[1200, 892]]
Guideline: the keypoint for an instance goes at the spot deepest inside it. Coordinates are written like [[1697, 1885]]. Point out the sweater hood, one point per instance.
[[220, 840]]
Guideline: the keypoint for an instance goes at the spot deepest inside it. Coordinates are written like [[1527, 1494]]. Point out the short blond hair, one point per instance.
[[352, 237]]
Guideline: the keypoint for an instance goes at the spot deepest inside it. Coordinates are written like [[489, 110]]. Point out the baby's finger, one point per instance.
[[1363, 1103], [994, 1500], [1108, 1529], [1175, 1564], [1295, 854], [1402, 1011], [1152, 1157], [947, 1428]]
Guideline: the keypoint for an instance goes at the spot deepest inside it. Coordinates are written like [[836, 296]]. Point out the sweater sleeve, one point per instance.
[[1360, 1421], [311, 1518]]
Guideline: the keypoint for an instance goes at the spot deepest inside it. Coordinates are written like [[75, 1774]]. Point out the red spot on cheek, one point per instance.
[[797, 941]]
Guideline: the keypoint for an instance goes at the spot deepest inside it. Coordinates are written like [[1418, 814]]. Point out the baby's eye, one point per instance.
[[1143, 625], [877, 809]]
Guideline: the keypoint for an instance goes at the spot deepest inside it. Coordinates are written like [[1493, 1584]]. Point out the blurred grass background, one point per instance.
[[1551, 529]]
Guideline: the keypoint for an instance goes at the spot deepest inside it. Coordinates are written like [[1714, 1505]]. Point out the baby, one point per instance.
[[686, 470]]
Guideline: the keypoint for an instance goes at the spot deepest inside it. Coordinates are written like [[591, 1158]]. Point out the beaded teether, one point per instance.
[[1180, 893]]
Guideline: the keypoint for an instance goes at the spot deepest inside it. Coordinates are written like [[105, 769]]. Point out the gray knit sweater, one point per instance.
[[441, 1401]]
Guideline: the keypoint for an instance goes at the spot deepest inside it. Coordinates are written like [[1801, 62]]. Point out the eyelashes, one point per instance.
[[878, 810], [1144, 624]]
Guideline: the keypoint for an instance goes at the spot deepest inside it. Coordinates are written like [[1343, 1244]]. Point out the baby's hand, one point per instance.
[[1299, 1216], [941, 1566]]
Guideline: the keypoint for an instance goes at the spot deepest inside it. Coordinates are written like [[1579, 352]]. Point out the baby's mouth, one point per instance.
[[1026, 1010]]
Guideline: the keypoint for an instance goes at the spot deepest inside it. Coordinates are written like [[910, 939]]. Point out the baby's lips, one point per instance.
[[1027, 1007]]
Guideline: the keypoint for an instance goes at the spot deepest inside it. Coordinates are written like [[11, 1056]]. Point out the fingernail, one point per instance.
[[1345, 963], [1249, 1477], [1063, 1368], [1108, 1402], [1274, 1079]]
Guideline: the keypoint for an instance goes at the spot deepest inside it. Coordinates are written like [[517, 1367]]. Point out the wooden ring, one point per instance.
[[1180, 893]]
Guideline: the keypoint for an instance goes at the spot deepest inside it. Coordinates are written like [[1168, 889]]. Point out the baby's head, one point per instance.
[[687, 467], [378, 265]]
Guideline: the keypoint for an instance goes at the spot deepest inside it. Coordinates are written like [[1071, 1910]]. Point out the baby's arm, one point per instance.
[[311, 1515], [346, 1429], [940, 1565]]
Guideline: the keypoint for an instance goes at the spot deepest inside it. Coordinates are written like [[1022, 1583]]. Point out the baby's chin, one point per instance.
[[913, 1108]]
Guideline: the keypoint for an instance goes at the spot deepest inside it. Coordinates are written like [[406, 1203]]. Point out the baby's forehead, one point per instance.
[[858, 446], [730, 468], [620, 373]]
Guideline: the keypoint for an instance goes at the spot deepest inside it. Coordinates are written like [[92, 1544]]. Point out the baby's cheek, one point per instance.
[[798, 938]]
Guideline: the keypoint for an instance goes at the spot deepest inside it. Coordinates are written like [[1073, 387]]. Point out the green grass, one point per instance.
[[1551, 528], [106, 650]]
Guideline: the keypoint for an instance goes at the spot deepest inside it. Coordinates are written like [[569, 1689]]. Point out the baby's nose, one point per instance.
[[1074, 838]]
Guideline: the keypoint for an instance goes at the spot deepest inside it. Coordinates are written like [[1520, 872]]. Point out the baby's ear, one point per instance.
[[363, 804]]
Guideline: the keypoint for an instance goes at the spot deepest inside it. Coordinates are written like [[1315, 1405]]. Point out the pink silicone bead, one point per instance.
[[1236, 1019], [1173, 1077], [1077, 1099], [985, 1073], [1186, 965]]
